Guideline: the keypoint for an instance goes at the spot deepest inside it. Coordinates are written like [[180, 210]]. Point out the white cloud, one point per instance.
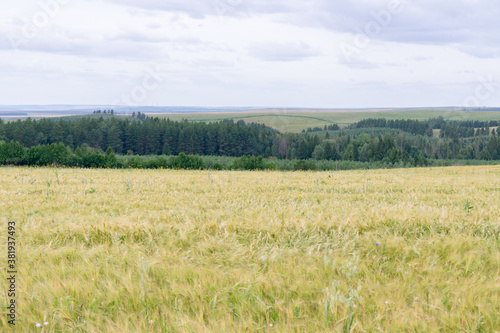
[[221, 52], [282, 51]]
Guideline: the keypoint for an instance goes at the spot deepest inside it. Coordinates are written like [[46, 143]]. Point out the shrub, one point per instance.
[[190, 162], [248, 163], [305, 165]]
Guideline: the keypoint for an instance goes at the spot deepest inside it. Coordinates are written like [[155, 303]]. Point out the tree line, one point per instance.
[[83, 141], [14, 153], [143, 135], [449, 129]]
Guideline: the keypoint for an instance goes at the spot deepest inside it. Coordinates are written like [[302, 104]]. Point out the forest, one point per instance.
[[106, 140]]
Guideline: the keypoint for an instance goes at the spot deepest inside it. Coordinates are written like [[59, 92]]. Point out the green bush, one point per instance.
[[217, 166], [248, 163], [12, 153], [189, 162], [134, 162], [270, 166], [305, 165], [111, 161]]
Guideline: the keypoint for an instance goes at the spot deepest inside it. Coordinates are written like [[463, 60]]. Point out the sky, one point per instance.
[[261, 53]]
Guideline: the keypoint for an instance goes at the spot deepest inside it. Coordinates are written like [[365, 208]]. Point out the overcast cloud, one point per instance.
[[317, 53]]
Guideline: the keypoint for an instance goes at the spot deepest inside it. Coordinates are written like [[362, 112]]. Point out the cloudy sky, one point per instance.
[[279, 53]]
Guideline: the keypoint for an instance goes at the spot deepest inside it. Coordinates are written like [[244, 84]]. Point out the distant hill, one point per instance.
[[45, 111], [49, 111]]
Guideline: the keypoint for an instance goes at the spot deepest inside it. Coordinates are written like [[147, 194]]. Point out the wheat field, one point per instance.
[[406, 250]]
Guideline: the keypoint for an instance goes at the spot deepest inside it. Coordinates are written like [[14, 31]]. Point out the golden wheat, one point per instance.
[[199, 251]]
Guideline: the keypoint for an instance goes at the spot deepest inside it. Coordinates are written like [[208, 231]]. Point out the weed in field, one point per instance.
[[468, 206]]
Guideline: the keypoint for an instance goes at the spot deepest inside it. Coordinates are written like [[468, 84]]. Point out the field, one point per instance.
[[296, 121], [406, 250]]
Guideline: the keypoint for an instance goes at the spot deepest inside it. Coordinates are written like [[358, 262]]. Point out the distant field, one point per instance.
[[406, 250], [296, 122]]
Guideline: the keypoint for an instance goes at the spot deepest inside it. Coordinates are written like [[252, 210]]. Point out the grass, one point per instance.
[[196, 251], [294, 121]]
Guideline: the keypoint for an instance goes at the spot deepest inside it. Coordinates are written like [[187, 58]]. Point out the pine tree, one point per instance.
[[166, 149], [328, 152], [111, 161], [303, 152]]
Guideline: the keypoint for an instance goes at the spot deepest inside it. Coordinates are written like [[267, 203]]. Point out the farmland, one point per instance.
[[296, 121], [103, 250]]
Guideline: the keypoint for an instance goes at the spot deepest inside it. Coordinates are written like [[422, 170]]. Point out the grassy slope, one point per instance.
[[296, 122], [181, 251]]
